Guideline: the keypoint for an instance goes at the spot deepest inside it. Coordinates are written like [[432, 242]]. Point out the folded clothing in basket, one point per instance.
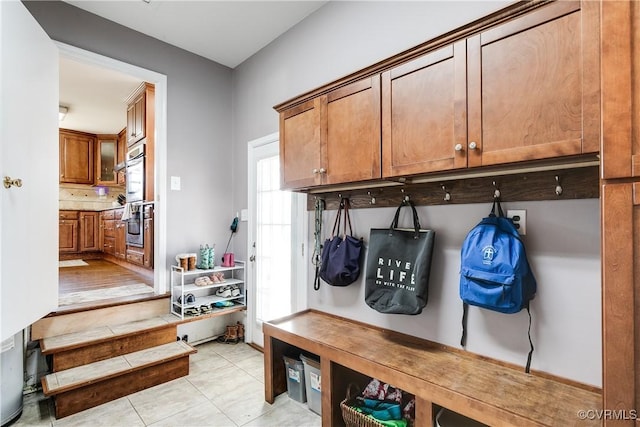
[[388, 405]]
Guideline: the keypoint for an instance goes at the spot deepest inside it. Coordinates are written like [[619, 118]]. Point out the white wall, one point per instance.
[[563, 237], [563, 243]]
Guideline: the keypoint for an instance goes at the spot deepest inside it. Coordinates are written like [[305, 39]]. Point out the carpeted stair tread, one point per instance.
[[69, 341], [70, 379]]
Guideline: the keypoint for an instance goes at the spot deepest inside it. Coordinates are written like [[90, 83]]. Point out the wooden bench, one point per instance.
[[487, 391]]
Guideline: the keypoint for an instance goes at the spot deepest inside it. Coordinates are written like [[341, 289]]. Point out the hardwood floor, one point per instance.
[[100, 274]]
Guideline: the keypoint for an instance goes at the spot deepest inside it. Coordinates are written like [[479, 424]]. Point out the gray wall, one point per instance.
[[198, 115], [563, 240]]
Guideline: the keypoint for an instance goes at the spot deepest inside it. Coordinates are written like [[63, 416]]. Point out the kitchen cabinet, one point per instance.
[[121, 155], [333, 138], [68, 231], [120, 242], [527, 89], [106, 156], [424, 113], [141, 127], [76, 157], [108, 231], [89, 232], [136, 119], [147, 260], [534, 86]]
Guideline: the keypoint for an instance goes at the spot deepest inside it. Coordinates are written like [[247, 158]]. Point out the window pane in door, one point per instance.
[[273, 243]]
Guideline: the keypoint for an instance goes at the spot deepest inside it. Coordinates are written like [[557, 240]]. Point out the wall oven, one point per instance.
[[135, 195], [135, 174]]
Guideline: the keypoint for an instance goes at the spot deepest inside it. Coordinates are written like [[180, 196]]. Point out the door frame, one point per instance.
[[299, 231], [160, 277]]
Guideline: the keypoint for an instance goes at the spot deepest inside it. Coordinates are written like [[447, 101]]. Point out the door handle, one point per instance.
[[8, 182]]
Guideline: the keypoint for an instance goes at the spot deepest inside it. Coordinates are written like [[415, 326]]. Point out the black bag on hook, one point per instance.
[[341, 255], [398, 267]]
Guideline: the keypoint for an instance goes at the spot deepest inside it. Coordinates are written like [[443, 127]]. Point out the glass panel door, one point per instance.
[[274, 224]]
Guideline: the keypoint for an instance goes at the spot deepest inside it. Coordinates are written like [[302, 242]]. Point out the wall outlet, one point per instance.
[[519, 217]]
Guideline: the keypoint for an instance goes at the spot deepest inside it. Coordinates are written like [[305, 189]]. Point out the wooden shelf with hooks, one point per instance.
[[570, 183]]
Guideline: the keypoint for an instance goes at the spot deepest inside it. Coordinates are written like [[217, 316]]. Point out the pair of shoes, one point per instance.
[[203, 281], [217, 277], [207, 257], [204, 309], [224, 292], [188, 299], [230, 336], [192, 311], [222, 304], [228, 291]]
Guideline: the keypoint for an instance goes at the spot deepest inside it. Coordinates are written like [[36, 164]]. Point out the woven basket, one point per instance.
[[353, 418]]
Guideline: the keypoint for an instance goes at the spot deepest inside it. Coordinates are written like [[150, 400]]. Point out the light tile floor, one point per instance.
[[224, 388]]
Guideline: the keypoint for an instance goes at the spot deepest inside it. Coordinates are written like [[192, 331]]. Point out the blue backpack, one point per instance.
[[494, 270]]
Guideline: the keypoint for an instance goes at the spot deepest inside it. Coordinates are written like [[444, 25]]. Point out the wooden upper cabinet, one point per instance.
[[333, 138], [136, 115], [76, 157], [424, 113], [106, 156], [534, 86], [300, 145], [121, 155]]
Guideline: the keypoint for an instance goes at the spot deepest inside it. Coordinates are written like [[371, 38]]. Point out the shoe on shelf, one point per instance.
[[235, 291], [191, 312], [217, 277], [205, 309], [203, 281], [224, 292], [230, 336]]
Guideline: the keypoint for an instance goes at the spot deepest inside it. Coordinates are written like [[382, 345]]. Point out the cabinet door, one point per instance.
[[534, 86], [76, 158], [68, 235], [350, 150], [424, 113], [136, 120], [148, 238], [300, 145], [89, 235], [121, 153], [106, 159], [121, 239]]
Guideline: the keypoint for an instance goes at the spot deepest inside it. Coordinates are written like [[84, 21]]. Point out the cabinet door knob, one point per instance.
[[315, 171], [458, 147], [473, 145], [323, 170]]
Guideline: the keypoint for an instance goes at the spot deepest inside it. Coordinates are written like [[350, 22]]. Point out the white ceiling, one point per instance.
[[227, 32]]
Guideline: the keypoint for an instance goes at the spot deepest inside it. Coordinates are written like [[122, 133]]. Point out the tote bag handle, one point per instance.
[[416, 222]]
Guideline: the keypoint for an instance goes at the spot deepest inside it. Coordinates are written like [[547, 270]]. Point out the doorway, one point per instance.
[[276, 239], [156, 277]]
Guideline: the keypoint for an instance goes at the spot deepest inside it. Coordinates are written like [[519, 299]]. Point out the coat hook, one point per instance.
[[447, 195], [496, 192], [373, 199], [405, 198], [558, 186]]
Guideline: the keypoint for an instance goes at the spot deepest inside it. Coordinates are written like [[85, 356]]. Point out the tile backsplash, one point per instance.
[[88, 197]]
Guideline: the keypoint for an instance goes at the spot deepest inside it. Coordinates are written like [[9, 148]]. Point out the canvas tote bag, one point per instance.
[[398, 266], [341, 255]]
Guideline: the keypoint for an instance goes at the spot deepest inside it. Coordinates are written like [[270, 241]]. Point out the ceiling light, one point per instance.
[[62, 112]]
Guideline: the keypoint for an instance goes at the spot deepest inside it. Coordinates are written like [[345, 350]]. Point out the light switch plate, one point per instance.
[[244, 215], [175, 183]]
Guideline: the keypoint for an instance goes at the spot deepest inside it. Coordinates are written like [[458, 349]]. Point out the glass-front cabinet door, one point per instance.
[[106, 159]]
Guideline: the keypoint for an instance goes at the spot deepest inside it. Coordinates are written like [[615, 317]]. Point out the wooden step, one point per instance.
[[86, 386], [92, 345], [66, 323]]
